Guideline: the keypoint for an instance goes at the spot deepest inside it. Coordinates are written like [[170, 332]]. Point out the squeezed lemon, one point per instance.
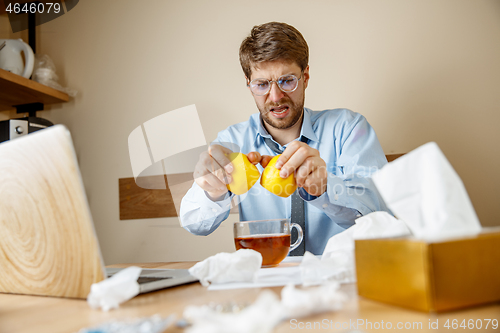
[[272, 181], [244, 174]]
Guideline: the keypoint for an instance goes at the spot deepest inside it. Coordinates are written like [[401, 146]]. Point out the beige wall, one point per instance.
[[420, 70]]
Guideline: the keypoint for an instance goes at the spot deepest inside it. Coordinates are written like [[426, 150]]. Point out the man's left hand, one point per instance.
[[309, 167]]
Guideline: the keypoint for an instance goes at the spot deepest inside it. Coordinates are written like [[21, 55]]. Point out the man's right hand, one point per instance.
[[254, 157], [212, 172]]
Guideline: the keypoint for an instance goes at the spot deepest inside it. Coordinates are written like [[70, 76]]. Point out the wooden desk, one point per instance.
[[23, 314]]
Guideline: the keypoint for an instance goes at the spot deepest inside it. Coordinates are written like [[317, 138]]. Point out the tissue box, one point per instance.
[[437, 276]]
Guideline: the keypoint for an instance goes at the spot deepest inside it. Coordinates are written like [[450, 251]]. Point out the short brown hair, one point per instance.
[[273, 41]]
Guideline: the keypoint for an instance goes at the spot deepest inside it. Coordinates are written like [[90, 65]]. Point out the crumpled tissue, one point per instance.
[[338, 267], [305, 302], [422, 189], [110, 293], [267, 311], [337, 262], [260, 317], [153, 324], [240, 266]]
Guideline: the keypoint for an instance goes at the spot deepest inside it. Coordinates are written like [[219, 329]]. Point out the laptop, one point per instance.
[[48, 244]]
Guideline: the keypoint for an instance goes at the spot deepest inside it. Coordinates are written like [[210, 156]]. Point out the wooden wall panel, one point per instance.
[[142, 203], [392, 157]]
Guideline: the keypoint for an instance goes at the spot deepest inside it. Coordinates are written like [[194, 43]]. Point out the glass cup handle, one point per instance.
[[299, 238]]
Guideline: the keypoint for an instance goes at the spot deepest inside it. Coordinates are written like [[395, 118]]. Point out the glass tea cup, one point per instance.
[[271, 238]]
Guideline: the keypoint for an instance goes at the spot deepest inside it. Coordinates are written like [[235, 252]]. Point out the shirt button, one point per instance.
[[325, 205], [336, 197], [214, 210]]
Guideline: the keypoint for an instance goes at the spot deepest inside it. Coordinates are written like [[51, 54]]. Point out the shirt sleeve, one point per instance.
[[350, 191], [199, 214]]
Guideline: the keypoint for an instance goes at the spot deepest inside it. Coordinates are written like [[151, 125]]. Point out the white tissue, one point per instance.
[[110, 293], [337, 262], [260, 317], [267, 311], [338, 267], [240, 266], [153, 324], [423, 189], [305, 302], [374, 225]]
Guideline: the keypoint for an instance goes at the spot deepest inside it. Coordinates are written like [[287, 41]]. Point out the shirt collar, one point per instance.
[[306, 130], [307, 127]]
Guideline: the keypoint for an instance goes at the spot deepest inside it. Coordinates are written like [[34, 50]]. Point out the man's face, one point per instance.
[[280, 109]]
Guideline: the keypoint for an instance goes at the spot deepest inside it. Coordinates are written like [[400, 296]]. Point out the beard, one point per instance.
[[296, 111]]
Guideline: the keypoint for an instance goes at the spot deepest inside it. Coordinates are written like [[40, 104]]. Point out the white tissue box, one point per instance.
[[438, 276]]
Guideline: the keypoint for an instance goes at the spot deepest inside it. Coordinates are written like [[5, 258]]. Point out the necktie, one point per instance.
[[297, 214]]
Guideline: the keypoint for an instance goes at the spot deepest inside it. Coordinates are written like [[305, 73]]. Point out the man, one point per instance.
[[332, 152]]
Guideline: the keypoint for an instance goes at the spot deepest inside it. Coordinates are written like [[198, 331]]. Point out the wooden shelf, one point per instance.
[[17, 90]]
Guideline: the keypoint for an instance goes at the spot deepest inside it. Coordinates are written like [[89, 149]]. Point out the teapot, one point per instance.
[[11, 60]]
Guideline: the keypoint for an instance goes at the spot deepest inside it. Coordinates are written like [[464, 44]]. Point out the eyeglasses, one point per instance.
[[287, 83]]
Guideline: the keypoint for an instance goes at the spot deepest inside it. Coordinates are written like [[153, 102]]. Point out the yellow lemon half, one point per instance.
[[271, 180], [244, 174]]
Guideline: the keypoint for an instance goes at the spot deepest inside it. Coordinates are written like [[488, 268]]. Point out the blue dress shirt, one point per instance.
[[352, 152]]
